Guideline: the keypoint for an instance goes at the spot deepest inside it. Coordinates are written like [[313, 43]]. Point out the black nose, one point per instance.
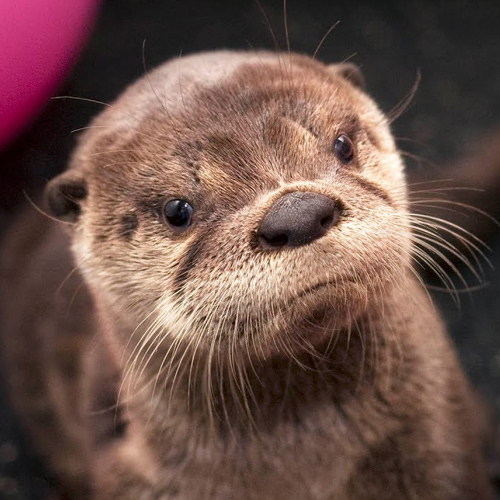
[[297, 219]]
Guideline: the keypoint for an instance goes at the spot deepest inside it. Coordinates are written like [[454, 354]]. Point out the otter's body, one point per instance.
[[243, 320]]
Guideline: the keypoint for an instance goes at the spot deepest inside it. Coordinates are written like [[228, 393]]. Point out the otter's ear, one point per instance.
[[64, 194], [349, 72]]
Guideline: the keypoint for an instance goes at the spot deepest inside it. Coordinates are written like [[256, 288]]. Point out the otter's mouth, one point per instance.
[[333, 282], [315, 288]]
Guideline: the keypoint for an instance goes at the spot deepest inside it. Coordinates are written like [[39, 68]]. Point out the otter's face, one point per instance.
[[239, 199]]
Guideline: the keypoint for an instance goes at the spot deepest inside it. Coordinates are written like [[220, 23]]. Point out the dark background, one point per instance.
[[454, 44]]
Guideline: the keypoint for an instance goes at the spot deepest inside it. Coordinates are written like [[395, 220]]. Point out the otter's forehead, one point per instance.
[[173, 83], [172, 86]]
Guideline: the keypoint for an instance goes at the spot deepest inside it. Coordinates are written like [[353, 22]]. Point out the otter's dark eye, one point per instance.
[[344, 149], [178, 214]]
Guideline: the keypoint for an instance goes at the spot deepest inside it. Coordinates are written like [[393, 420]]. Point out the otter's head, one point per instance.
[[239, 201]]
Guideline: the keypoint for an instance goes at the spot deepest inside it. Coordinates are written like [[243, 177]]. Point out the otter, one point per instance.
[[227, 304]]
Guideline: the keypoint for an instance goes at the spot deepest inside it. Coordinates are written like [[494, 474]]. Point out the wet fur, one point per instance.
[[199, 365]]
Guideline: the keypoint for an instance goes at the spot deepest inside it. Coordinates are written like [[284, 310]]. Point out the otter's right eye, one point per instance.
[[178, 214], [344, 149]]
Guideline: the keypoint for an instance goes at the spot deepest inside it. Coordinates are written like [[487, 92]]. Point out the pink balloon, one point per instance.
[[39, 42]]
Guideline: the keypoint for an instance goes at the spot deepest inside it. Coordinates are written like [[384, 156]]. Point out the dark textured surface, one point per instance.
[[454, 44]]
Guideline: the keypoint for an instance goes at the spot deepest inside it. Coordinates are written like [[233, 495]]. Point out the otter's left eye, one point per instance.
[[178, 214], [344, 149]]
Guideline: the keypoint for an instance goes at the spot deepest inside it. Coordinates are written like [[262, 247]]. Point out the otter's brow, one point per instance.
[[353, 126], [350, 124]]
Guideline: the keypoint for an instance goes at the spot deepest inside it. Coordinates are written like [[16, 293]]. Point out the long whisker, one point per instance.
[[285, 23], [324, 37], [45, 214], [269, 25], [403, 105]]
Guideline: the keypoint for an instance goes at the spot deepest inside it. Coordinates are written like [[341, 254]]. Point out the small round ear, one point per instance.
[[349, 72], [64, 194]]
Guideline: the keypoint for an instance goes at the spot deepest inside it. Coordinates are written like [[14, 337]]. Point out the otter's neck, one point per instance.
[[238, 397]]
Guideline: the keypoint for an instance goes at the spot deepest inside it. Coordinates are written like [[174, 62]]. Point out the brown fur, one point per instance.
[[318, 372]]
